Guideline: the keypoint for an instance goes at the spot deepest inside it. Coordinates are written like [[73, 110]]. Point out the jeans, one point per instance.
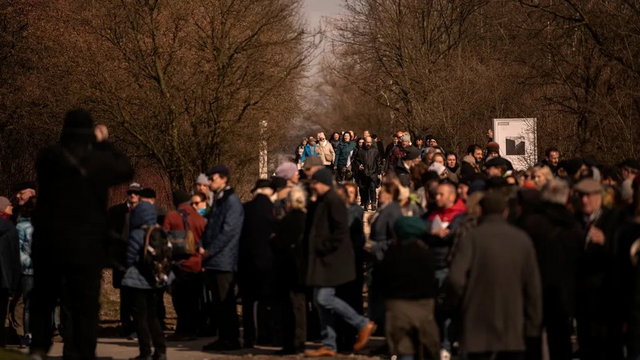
[[328, 304]]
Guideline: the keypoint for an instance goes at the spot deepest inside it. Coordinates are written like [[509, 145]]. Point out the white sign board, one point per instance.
[[517, 140]]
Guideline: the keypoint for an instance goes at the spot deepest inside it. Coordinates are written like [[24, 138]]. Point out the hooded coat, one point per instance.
[[74, 176], [469, 167], [143, 214]]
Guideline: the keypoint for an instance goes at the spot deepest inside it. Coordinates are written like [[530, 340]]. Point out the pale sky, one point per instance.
[[317, 9]]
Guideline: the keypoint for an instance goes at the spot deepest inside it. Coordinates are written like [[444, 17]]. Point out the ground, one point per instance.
[[111, 346]]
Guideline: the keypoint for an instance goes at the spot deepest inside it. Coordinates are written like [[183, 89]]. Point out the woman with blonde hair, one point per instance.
[[541, 175]]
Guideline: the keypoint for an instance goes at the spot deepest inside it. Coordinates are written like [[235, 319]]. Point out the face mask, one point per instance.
[[202, 211]]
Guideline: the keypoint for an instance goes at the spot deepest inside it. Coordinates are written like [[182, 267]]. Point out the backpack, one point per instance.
[[156, 256], [182, 241]]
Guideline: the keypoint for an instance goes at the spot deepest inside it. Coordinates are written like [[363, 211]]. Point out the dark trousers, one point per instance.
[[185, 294], [367, 187], [505, 355], [557, 322], [126, 312], [145, 316], [221, 284], [342, 173], [4, 305], [78, 289], [294, 319]]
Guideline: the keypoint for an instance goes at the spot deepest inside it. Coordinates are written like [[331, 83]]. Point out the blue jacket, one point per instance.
[[310, 150], [143, 214], [221, 237]]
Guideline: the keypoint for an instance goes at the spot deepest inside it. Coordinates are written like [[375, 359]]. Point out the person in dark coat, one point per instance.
[[351, 292], [118, 216], [381, 237], [220, 247], [144, 294], [290, 268], [406, 281], [255, 266], [367, 166], [557, 237], [628, 239], [494, 276], [331, 263], [599, 298], [70, 232], [187, 286], [10, 270]]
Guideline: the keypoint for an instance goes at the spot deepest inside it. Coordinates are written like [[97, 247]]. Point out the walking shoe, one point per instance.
[[321, 352], [363, 335]]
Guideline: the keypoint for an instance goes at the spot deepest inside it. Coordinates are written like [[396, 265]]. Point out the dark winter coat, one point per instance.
[[630, 284], [557, 237], [331, 257], [289, 251], [70, 219], [469, 167], [370, 159], [143, 214], [221, 238], [382, 233], [407, 272], [599, 279], [495, 274], [255, 267], [10, 269]]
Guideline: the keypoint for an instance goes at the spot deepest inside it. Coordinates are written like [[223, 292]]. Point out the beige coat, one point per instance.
[[326, 152]]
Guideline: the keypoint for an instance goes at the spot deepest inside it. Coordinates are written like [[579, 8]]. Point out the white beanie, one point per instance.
[[202, 179], [437, 168]]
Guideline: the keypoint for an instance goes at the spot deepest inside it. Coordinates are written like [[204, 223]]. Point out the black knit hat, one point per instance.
[[148, 193], [411, 152], [180, 197], [323, 176]]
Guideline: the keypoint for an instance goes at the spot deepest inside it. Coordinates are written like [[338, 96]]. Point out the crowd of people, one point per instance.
[[446, 256]]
